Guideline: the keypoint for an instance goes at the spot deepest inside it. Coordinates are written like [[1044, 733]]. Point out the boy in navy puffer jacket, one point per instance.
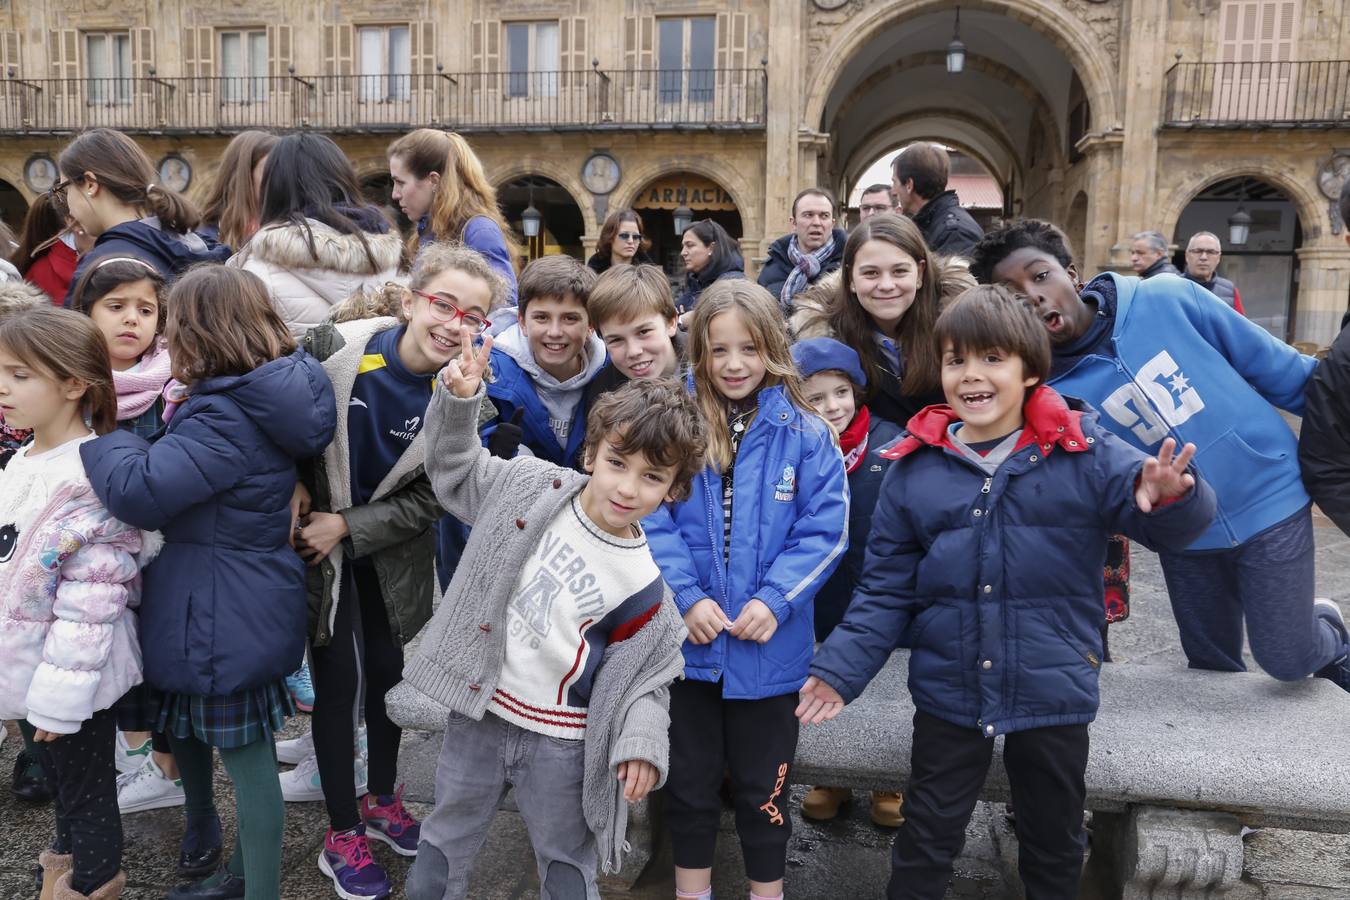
[[1166, 358], [986, 558]]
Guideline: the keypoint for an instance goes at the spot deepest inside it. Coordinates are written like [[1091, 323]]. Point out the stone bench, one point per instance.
[[1183, 764]]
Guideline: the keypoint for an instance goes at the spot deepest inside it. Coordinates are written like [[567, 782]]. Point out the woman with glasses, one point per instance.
[[621, 242], [318, 240], [108, 186], [369, 534]]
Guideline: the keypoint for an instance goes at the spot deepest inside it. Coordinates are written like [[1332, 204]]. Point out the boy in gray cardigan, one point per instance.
[[557, 623]]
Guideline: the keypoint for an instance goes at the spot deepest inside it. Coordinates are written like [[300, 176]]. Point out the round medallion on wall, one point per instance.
[[829, 4], [40, 174], [1333, 174], [600, 173], [175, 173]]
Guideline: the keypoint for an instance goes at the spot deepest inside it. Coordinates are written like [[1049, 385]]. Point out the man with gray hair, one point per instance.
[[1203, 253], [1148, 255]]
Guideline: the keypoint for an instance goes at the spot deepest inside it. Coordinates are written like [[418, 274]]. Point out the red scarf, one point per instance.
[[853, 439]]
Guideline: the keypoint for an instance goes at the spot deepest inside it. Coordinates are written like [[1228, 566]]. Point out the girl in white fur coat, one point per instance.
[[69, 582], [319, 242]]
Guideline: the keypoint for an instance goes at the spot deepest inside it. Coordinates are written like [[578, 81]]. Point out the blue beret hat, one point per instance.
[[818, 354]]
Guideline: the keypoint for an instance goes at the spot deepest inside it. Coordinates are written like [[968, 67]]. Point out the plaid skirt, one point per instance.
[[225, 722]]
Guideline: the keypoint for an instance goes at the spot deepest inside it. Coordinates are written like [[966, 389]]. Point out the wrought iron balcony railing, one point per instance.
[[680, 99], [1258, 94]]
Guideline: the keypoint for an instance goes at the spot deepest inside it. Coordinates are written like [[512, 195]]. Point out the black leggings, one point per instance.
[[362, 649], [752, 740], [82, 777]]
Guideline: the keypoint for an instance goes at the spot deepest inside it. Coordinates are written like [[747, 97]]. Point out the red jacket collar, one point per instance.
[[1049, 422]]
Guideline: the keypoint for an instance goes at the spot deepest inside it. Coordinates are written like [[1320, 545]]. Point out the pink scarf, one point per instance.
[[137, 391]]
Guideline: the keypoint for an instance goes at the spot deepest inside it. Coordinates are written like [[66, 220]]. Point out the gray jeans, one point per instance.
[[477, 762]]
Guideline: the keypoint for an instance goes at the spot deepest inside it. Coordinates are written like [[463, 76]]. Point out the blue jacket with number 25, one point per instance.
[[789, 529]]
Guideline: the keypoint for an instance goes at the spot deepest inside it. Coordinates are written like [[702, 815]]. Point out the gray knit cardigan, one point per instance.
[[508, 503]]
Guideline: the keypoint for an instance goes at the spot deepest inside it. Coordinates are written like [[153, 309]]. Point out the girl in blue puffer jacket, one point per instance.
[[765, 525], [223, 615]]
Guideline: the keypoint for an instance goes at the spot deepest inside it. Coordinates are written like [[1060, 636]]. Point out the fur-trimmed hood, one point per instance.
[[288, 246], [305, 289]]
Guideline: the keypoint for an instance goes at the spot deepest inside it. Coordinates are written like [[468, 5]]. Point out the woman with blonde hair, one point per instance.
[[439, 183], [231, 214]]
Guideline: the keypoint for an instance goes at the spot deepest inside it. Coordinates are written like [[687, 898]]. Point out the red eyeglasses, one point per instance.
[[442, 310]]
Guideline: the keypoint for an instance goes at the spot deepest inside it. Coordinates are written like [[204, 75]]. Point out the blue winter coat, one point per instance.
[[169, 252], [864, 487], [1189, 366], [789, 529], [224, 602], [996, 582], [512, 388]]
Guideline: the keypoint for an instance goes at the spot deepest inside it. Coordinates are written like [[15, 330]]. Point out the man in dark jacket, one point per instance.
[[1324, 439], [1148, 255], [815, 248], [1203, 252], [919, 183]]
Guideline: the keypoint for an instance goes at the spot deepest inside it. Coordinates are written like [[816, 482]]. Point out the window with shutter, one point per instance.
[[1257, 42], [10, 61], [639, 52], [110, 63], [63, 61], [533, 56]]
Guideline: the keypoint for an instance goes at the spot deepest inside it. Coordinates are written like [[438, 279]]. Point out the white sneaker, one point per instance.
[[291, 752], [128, 758], [294, 751], [148, 788], [301, 784]]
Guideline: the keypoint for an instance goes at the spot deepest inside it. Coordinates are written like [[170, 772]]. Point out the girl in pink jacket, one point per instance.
[[69, 582]]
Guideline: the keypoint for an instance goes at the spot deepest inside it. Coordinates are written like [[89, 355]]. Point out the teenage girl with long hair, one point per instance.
[[110, 187], [440, 184], [231, 213]]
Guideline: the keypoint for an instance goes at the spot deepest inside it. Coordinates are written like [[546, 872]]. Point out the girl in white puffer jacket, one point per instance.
[[69, 582], [319, 242]]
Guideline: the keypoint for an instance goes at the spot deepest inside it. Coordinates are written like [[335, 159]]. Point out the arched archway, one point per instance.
[[13, 206], [563, 225], [657, 200], [1051, 21], [1265, 268], [1032, 79]]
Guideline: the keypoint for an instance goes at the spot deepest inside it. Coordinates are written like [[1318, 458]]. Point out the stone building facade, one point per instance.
[[1107, 116]]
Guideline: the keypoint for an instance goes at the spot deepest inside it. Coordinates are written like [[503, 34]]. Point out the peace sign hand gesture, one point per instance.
[[1164, 478], [463, 376]]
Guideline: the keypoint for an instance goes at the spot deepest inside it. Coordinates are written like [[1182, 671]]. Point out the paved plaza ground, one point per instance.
[[848, 857]]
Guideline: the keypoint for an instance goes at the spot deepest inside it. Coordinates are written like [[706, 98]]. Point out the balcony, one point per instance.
[[1254, 95], [588, 99]]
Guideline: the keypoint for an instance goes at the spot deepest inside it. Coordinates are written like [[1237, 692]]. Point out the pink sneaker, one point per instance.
[[388, 820], [347, 861]]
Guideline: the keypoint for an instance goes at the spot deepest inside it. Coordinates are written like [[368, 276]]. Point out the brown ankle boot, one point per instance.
[[111, 889], [822, 803], [886, 808], [54, 865]]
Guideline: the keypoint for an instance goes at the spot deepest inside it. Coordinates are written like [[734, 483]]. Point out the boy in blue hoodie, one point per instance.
[[1165, 358], [986, 559], [542, 365]]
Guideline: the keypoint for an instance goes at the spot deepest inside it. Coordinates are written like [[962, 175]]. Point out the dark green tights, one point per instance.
[[260, 809]]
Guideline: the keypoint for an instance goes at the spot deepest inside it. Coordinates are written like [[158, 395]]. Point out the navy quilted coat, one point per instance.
[[995, 582], [224, 602]]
